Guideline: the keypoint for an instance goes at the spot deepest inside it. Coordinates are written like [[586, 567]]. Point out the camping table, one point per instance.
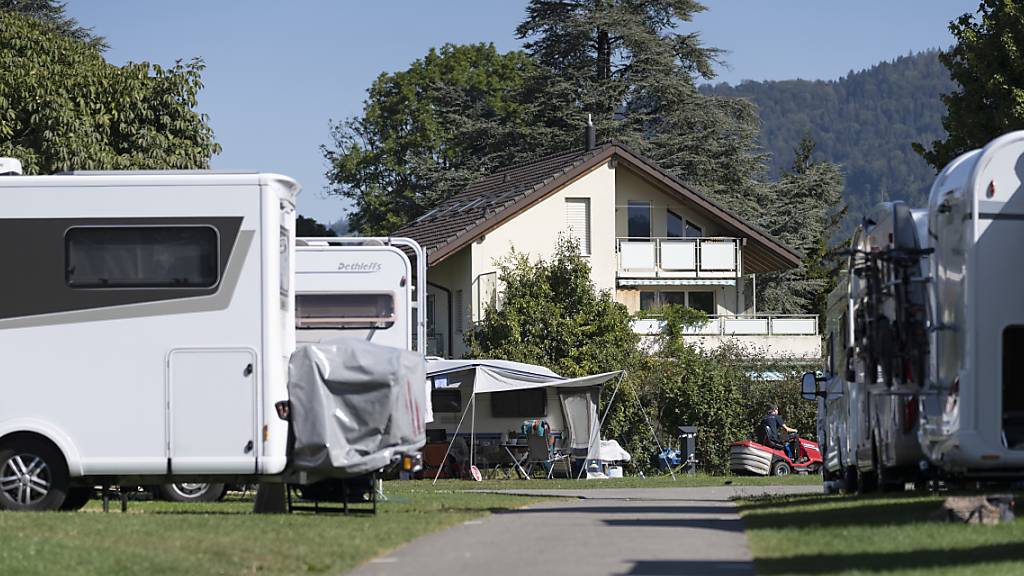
[[517, 461]]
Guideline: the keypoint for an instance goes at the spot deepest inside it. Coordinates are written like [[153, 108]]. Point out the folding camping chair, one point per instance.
[[540, 452]]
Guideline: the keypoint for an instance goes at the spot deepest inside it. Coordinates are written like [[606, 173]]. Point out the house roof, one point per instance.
[[490, 201]]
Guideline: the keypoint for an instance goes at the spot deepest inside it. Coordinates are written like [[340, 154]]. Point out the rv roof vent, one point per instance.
[[10, 167]]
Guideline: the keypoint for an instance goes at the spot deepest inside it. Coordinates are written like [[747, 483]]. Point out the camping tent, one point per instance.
[[579, 397]]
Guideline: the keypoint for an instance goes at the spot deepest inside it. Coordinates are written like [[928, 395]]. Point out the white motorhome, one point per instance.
[[366, 288], [876, 356], [146, 324], [973, 414]]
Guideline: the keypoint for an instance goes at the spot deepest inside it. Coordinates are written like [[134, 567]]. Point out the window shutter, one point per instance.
[[577, 220]]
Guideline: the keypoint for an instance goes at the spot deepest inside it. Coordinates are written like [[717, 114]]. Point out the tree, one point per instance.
[[806, 214], [63, 107], [54, 13], [988, 64], [629, 66], [427, 131], [308, 227], [551, 314]]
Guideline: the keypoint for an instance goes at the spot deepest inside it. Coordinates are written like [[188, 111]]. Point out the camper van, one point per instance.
[[366, 288], [876, 356], [146, 326], [973, 412]]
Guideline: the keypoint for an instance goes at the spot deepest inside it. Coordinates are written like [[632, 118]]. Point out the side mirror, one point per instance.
[[809, 386]]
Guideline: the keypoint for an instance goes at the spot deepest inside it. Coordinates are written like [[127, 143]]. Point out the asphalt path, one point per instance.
[[633, 531]]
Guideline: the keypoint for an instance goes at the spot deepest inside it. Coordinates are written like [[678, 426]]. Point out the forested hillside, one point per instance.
[[865, 121]]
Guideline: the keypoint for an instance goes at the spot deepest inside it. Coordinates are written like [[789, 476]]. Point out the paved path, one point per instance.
[[654, 531]]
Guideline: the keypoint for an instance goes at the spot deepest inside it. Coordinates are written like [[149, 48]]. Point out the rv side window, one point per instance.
[[141, 257], [519, 404], [344, 310]]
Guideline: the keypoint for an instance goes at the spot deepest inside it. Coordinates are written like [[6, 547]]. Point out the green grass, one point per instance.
[[884, 534], [659, 481], [226, 538]]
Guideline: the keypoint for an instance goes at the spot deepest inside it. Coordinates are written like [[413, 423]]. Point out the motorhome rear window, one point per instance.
[[344, 310], [141, 257]]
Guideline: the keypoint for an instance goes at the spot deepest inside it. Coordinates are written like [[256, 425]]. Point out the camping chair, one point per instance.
[[540, 452]]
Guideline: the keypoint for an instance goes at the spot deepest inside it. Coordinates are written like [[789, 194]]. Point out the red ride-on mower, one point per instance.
[[770, 458]]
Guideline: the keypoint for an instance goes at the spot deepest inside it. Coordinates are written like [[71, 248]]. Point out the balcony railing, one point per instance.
[[758, 325], [678, 257]]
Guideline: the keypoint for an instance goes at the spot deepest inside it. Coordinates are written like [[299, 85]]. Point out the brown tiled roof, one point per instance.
[[486, 198], [488, 202]]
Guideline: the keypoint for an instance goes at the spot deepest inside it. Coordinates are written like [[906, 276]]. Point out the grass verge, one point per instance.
[[883, 534], [157, 538]]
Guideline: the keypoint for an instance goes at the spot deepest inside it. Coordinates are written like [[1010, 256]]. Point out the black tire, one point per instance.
[[191, 492], [851, 480], [781, 468], [867, 482], [33, 476], [77, 498]]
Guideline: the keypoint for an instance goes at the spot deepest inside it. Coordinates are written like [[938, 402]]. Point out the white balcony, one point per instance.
[[773, 336], [678, 257]]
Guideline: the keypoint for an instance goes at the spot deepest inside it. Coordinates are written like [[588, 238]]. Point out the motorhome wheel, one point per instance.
[[33, 476], [781, 468], [192, 492]]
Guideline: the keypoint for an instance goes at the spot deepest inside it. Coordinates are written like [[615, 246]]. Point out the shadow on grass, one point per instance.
[[883, 512], [890, 561]]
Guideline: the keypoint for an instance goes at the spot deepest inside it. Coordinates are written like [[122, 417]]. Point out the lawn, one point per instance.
[[884, 534], [225, 538]]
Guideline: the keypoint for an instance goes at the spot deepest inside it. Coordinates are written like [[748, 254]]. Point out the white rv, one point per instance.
[[146, 324], [366, 288], [973, 413], [876, 356]]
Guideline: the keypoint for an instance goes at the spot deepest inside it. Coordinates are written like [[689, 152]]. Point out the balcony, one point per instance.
[[773, 336], [678, 257]]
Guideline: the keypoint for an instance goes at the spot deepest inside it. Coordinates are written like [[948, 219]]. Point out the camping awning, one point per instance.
[[506, 376]]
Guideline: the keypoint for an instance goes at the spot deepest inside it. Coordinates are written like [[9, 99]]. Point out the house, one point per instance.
[[650, 240]]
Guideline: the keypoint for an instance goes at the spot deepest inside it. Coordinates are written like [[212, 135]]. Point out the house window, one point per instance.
[[693, 231], [648, 300], [673, 225], [577, 219], [677, 298], [639, 219], [519, 404], [430, 314], [141, 257], [703, 301]]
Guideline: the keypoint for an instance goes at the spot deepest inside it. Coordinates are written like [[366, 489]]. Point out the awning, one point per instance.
[[677, 281], [505, 375]]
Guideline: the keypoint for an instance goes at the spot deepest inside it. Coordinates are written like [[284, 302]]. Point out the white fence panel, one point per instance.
[[636, 255], [718, 255], [784, 326], [679, 254], [751, 326]]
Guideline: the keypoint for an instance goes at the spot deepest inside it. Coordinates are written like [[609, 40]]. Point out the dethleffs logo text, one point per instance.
[[359, 267]]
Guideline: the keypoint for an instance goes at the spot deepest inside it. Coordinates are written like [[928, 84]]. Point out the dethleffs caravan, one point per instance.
[[366, 288], [145, 329]]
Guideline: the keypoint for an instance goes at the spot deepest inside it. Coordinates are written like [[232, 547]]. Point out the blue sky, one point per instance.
[[279, 72]]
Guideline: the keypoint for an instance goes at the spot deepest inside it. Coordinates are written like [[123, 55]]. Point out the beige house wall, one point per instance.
[[454, 275], [535, 232]]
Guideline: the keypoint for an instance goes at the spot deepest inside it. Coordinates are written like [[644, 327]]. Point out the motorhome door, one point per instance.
[[212, 411]]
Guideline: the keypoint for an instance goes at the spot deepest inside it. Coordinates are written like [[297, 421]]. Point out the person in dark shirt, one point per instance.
[[778, 432]]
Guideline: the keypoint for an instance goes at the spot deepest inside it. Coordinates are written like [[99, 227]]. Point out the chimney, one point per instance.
[[591, 134]]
